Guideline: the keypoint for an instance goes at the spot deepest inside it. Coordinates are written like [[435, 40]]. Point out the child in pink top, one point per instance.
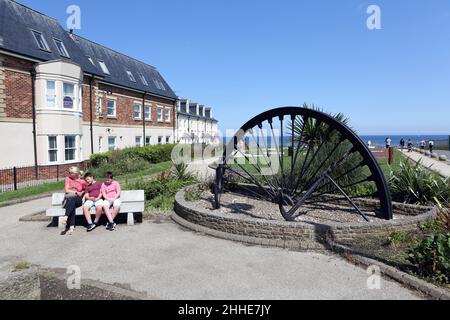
[[111, 194]]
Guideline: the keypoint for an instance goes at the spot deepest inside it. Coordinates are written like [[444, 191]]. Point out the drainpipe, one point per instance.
[[33, 106], [143, 117], [90, 115], [175, 123]]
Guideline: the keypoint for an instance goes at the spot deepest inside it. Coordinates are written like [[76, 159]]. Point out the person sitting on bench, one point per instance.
[[93, 199], [112, 202], [74, 188]]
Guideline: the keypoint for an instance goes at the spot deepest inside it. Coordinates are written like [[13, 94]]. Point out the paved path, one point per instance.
[[440, 167], [169, 262]]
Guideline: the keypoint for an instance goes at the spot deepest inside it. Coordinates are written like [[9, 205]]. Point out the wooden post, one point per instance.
[[391, 157]]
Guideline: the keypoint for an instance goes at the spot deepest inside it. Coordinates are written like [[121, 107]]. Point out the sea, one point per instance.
[[379, 140]]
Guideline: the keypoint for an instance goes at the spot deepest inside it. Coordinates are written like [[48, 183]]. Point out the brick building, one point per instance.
[[63, 97]]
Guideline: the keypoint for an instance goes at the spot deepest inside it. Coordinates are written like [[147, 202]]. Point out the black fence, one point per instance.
[[16, 178]]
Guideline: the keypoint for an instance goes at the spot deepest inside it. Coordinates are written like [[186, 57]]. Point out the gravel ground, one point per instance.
[[247, 207]]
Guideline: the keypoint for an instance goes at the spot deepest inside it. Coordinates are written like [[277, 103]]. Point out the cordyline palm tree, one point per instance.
[[320, 140]]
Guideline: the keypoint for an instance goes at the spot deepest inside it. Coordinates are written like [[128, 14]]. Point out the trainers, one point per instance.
[[91, 227], [111, 226]]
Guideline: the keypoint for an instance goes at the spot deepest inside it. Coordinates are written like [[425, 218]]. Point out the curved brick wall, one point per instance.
[[295, 235]]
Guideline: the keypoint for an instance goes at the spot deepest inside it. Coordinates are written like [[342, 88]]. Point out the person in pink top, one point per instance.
[[111, 194], [74, 188]]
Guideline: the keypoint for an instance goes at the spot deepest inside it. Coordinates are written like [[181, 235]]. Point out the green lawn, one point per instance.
[[398, 157], [57, 186]]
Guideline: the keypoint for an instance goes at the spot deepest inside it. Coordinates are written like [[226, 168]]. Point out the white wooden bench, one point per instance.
[[132, 202]]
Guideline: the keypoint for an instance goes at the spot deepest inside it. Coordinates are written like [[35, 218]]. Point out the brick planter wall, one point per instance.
[[294, 235]]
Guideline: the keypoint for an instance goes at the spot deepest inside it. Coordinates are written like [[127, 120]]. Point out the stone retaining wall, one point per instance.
[[293, 234]]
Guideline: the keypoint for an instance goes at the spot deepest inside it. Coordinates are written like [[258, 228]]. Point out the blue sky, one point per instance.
[[245, 57]]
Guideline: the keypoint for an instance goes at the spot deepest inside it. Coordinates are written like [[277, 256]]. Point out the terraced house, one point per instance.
[[63, 97]]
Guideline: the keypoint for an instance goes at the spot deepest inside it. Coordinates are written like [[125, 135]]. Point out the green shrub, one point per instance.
[[432, 256], [412, 183], [160, 193]]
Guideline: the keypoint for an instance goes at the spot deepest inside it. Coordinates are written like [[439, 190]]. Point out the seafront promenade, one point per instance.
[[440, 167]]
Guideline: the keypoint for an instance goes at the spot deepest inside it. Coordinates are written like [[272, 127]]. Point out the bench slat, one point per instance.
[[126, 196], [133, 207]]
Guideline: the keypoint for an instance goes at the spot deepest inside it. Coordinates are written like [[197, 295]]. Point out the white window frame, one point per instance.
[[136, 141], [41, 35], [160, 140], [100, 107], [52, 149], [115, 108], [149, 138], [143, 79], [131, 76], [100, 144], [159, 112], [140, 111], [74, 148], [115, 143], [55, 102], [167, 112], [168, 139], [74, 96], [61, 50], [103, 66], [149, 118]]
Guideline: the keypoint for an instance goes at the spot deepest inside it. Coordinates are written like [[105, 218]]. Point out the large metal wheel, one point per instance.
[[297, 156]]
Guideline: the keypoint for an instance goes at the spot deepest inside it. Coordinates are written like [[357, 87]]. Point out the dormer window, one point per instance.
[[131, 76], [61, 48], [103, 66], [40, 41], [144, 81]]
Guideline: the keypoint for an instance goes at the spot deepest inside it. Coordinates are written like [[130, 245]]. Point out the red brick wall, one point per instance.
[[18, 88], [125, 107], [18, 95]]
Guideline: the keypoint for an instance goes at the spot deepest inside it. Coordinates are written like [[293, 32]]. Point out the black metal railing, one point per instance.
[[15, 178]]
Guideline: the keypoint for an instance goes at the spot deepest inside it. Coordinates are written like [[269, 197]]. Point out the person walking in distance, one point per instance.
[[431, 146], [388, 142]]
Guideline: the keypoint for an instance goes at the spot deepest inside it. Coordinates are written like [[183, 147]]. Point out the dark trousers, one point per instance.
[[71, 206]]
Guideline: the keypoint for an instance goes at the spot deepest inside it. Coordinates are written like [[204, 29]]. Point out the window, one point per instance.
[[148, 113], [40, 41], [51, 94], [90, 60], [160, 140], [99, 107], [137, 111], [68, 95], [103, 66], [100, 144], [61, 48], [52, 149], [160, 115], [131, 76], [159, 84], [138, 141], [167, 140], [112, 143], [111, 108], [70, 148], [167, 115], [148, 140], [144, 81]]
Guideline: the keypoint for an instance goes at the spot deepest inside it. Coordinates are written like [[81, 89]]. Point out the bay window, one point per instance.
[[50, 94], [70, 148], [69, 98], [52, 149]]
